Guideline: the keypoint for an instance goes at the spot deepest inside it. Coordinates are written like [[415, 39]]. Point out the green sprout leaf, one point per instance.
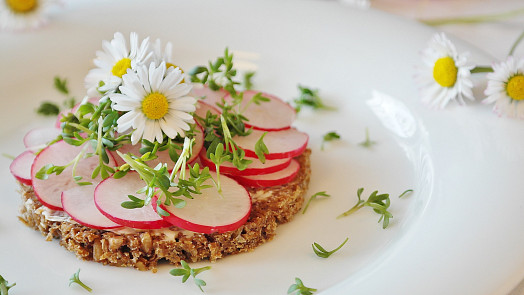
[[408, 191], [61, 85], [310, 98], [313, 197], [330, 136], [4, 286], [75, 279], [186, 272], [248, 80], [323, 253], [367, 143], [298, 288], [134, 203], [379, 204], [48, 109], [261, 149]]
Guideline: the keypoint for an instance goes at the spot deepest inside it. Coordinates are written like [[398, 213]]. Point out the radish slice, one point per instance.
[[21, 167], [207, 95], [79, 203], [281, 144], [58, 123], [110, 194], [38, 138], [163, 156], [256, 167], [49, 191], [273, 179], [203, 108], [272, 115], [211, 212]]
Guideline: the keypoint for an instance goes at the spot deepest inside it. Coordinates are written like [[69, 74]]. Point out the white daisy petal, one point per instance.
[[506, 88], [113, 54], [438, 94]]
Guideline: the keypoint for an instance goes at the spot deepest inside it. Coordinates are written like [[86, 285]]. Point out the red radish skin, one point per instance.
[[255, 168], [79, 203], [21, 167], [211, 212], [273, 115], [163, 156], [207, 95], [272, 179], [111, 193], [49, 191], [38, 138], [281, 144]]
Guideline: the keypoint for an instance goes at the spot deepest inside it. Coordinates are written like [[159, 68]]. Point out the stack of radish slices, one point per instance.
[[98, 205]]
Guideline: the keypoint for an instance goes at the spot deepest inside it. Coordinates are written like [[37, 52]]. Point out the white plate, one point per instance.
[[459, 233]]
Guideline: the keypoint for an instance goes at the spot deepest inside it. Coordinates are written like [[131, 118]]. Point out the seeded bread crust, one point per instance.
[[144, 249]]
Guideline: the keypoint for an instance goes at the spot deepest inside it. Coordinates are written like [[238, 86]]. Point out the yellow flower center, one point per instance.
[[515, 87], [445, 72], [155, 106], [22, 6], [120, 68]]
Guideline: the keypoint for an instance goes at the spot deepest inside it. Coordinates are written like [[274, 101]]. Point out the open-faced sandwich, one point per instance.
[[157, 164]]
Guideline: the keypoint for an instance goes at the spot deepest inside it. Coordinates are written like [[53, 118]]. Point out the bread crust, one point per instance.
[[144, 249]]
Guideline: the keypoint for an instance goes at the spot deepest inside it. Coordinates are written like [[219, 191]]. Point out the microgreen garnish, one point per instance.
[[248, 80], [61, 85], [8, 156], [314, 196], [186, 271], [261, 149], [405, 193], [367, 143], [75, 279], [52, 109], [4, 286], [309, 97], [323, 253], [159, 178], [298, 288], [218, 74], [48, 109], [379, 203], [330, 136]]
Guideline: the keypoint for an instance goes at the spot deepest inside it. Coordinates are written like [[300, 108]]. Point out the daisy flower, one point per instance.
[[113, 62], [155, 102], [23, 14], [506, 88], [446, 76], [166, 55]]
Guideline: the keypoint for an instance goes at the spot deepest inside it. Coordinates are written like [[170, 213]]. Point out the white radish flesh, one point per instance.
[[49, 191], [207, 95], [254, 168], [212, 212], [281, 144], [21, 167], [272, 179], [79, 203], [38, 138], [272, 115], [203, 108], [111, 193]]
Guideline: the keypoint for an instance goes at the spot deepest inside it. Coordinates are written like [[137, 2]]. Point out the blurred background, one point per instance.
[[495, 37]]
